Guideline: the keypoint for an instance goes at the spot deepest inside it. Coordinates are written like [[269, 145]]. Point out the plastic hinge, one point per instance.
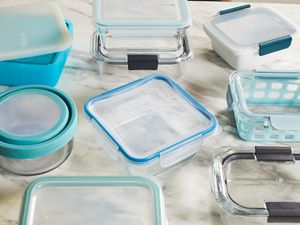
[[142, 62], [174, 156], [283, 212], [108, 145], [234, 9], [274, 153], [274, 45]]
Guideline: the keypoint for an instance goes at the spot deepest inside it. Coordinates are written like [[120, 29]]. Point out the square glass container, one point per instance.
[[266, 105], [93, 201], [247, 37], [150, 124], [257, 185]]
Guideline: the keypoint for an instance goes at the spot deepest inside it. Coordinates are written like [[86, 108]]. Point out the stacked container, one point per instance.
[[35, 42], [140, 35]]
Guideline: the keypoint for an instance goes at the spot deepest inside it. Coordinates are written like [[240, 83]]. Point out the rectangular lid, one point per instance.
[[31, 30], [245, 27], [150, 116], [93, 201], [142, 13]]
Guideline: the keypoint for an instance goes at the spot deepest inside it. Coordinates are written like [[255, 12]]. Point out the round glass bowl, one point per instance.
[[37, 126]]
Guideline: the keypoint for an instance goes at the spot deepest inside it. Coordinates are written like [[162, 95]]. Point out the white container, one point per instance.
[[247, 37], [150, 124]]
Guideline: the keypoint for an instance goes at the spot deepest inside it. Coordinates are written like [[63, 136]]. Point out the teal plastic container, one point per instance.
[[266, 105], [37, 70], [37, 127]]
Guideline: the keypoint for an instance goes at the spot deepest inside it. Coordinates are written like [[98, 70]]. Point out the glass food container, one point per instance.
[[266, 105], [135, 36], [37, 127], [150, 124], [93, 201], [25, 54], [257, 185], [247, 37]]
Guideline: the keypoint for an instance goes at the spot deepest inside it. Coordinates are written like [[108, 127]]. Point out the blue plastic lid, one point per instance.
[[35, 121], [149, 117]]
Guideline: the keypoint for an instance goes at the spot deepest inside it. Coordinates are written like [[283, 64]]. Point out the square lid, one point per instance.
[[93, 201], [244, 27], [31, 30], [142, 13], [150, 116]]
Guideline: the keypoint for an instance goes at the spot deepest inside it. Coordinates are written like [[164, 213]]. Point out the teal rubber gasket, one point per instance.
[[51, 145], [92, 182], [43, 136]]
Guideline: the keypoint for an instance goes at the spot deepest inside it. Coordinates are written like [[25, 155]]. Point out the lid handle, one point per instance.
[[142, 62], [274, 153], [285, 122], [283, 212], [234, 9], [274, 45], [229, 98]]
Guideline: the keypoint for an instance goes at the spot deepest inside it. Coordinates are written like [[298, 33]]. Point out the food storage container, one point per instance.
[[35, 45], [37, 127], [150, 124], [141, 35], [257, 185], [266, 105], [247, 37], [93, 200]]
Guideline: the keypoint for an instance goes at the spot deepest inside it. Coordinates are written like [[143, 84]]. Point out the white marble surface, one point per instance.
[[186, 187]]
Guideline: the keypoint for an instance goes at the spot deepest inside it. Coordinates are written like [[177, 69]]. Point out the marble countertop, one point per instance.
[[186, 187]]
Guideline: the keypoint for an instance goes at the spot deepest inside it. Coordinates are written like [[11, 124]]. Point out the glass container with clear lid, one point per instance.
[[142, 34], [150, 124], [257, 185], [93, 201]]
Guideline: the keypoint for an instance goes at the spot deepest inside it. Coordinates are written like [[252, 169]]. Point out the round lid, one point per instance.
[[29, 116]]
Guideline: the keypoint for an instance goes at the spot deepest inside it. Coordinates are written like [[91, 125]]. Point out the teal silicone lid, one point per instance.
[[29, 116], [46, 142]]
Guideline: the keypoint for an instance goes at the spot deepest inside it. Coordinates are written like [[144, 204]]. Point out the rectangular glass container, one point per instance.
[[257, 185], [266, 105], [93, 201]]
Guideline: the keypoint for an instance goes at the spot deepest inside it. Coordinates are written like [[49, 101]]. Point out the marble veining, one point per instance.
[[188, 198]]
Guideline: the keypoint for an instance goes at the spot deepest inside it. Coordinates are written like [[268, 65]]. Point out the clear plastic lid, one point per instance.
[[149, 116], [31, 115], [248, 27], [93, 201], [142, 13], [31, 30]]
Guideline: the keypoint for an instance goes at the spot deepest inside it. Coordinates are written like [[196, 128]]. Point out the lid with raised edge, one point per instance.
[[150, 116], [31, 30], [244, 27], [31, 116], [142, 13], [44, 120], [93, 200]]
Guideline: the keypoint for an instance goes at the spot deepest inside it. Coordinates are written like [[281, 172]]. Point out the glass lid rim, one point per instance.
[[184, 22], [129, 86], [41, 136], [69, 181]]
